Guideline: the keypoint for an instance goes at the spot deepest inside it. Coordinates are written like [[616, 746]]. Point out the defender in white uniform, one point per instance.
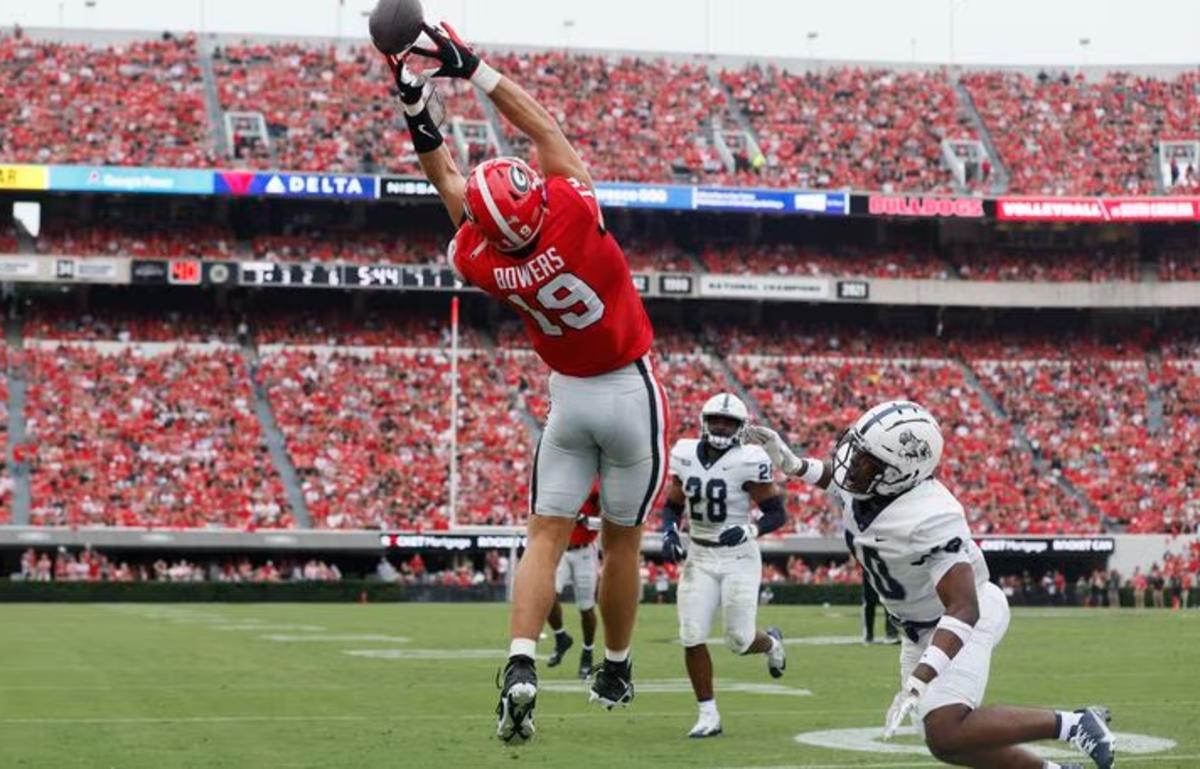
[[715, 483], [911, 537]]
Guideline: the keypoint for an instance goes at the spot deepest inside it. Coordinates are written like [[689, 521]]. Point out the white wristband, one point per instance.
[[935, 658], [813, 470], [956, 626], [485, 77]]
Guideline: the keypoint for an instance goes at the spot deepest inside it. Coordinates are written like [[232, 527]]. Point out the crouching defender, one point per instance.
[[911, 537], [715, 479]]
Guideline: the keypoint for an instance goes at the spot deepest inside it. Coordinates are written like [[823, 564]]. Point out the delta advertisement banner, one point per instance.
[[132, 179], [1032, 209], [296, 185]]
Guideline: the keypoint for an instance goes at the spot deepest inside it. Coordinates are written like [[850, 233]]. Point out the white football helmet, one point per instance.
[[728, 406], [888, 450]]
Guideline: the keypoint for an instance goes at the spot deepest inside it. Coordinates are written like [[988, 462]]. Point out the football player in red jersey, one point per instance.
[[540, 246], [579, 568]]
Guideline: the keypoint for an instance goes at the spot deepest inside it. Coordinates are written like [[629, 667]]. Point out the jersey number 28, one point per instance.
[[714, 493], [563, 293]]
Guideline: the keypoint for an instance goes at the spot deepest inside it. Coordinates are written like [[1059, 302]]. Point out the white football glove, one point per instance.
[[781, 456], [904, 704]]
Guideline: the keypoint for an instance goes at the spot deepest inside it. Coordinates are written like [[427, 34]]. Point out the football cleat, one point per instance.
[[892, 640], [585, 664], [518, 695], [708, 725], [1093, 737], [612, 683], [561, 644], [777, 657]]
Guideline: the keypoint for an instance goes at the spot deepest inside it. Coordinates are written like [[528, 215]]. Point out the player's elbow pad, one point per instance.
[[957, 627], [774, 515], [671, 513]]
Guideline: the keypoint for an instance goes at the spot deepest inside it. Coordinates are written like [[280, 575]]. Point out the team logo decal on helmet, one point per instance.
[[520, 181], [912, 447]]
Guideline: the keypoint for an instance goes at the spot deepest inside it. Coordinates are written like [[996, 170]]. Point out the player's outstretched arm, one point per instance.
[[436, 161], [956, 589], [807, 469], [556, 156]]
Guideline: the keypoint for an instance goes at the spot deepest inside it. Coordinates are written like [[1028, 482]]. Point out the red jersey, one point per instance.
[[582, 534], [574, 290]]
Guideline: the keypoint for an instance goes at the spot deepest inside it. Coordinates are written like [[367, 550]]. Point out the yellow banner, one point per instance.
[[24, 177]]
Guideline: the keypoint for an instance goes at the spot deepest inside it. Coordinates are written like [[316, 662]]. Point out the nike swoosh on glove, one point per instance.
[[456, 57]]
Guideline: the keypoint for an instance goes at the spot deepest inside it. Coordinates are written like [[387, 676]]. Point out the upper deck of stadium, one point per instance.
[[116, 98]]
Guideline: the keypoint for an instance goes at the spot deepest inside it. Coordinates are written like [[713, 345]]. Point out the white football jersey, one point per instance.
[[909, 546], [715, 494]]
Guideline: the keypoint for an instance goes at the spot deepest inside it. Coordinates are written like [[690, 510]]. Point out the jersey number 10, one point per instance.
[[563, 293], [875, 570]]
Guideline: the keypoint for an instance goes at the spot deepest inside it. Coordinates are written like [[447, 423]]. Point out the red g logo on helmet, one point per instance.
[[506, 200]]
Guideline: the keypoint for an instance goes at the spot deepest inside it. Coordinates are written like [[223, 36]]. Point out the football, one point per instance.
[[395, 25]]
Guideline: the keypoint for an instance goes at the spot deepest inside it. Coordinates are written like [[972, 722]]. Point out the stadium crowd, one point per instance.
[[90, 565], [633, 119]]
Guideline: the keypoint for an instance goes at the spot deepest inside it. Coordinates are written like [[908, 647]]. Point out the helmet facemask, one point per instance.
[[860, 473], [721, 431]]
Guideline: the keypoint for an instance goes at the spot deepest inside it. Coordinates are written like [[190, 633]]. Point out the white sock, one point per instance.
[[707, 707], [1067, 720], [523, 647], [616, 655], [587, 647], [774, 645], [560, 632]]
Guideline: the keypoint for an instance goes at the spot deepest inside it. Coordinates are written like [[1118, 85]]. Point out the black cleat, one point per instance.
[[1093, 737], [518, 695], [561, 645], [612, 684], [585, 664]]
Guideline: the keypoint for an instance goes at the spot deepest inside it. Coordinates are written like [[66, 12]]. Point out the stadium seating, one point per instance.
[[791, 259], [138, 240], [365, 435], [1047, 266], [326, 109], [1073, 136], [868, 129], [354, 247], [167, 439], [139, 103], [631, 119]]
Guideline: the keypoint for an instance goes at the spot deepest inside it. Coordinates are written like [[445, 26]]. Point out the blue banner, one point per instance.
[[167, 181], [662, 196], [768, 201], [293, 185]]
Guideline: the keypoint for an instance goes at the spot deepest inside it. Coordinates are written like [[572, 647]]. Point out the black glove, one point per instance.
[[457, 58], [672, 548], [736, 535]]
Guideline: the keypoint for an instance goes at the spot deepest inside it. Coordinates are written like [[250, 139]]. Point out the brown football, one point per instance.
[[395, 24]]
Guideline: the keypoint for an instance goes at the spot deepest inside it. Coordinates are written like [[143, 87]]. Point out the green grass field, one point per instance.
[[271, 685]]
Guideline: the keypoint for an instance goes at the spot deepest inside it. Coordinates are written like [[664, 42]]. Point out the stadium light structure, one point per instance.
[[812, 40]]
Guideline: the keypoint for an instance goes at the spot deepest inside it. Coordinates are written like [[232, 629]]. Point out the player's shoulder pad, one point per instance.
[[582, 194], [684, 452], [752, 454]]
